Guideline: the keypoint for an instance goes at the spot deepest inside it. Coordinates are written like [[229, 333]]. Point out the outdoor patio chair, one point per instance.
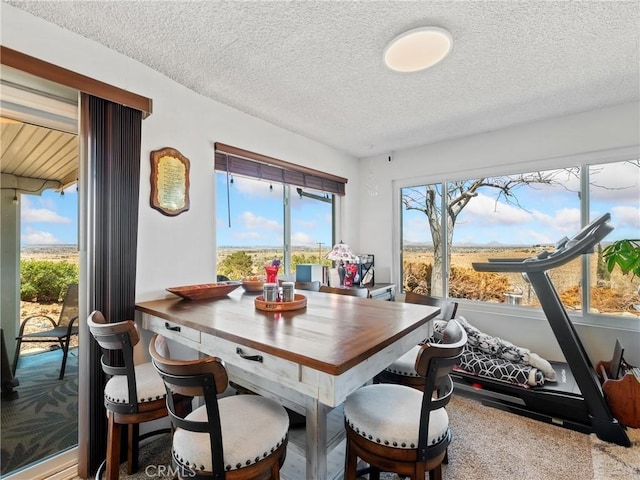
[[60, 331]]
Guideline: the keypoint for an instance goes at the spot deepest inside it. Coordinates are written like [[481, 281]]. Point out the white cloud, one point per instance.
[[260, 224], [484, 209], [303, 239], [306, 224], [627, 216], [618, 182], [39, 237], [31, 214], [565, 221], [252, 188]]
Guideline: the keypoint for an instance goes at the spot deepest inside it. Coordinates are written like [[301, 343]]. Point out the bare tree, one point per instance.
[[427, 199]]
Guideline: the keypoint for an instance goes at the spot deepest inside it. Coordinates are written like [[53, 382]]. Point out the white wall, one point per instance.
[[179, 250], [550, 143]]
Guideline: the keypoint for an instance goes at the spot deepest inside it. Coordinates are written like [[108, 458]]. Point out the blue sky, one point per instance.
[[256, 214], [50, 218], [548, 213]]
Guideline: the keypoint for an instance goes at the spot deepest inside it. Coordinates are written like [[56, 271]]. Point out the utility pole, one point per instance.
[[320, 251]]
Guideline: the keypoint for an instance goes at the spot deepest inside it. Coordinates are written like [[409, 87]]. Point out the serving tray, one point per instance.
[[299, 302], [204, 290]]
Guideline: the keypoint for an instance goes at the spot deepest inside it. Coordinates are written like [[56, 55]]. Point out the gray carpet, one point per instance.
[[490, 444], [42, 420]]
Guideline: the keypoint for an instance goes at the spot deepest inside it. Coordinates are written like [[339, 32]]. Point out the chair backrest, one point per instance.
[[122, 337], [310, 286], [434, 362], [203, 377], [169, 367], [448, 308], [353, 292], [70, 310]]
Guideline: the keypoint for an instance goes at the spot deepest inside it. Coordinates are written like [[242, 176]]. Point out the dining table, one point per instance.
[[309, 358]]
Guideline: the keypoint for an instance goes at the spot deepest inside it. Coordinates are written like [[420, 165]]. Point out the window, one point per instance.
[[518, 216], [249, 225], [273, 210], [614, 188]]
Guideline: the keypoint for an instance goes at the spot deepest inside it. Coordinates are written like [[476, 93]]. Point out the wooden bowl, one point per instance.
[[205, 290], [252, 285]]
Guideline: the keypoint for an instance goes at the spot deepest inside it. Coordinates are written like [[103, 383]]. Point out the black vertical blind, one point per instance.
[[112, 139]]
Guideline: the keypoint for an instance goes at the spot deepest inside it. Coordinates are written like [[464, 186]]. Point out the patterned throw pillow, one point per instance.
[[495, 347]]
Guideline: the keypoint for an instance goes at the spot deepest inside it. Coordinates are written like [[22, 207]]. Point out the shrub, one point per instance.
[[484, 286], [463, 282], [236, 266], [602, 299], [45, 281]]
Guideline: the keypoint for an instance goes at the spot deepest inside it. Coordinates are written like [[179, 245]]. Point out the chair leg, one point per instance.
[[374, 473], [16, 357], [65, 352], [350, 463], [436, 473], [132, 448], [275, 472], [113, 449]]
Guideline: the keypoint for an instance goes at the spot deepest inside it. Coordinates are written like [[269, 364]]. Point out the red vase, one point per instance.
[[272, 274]]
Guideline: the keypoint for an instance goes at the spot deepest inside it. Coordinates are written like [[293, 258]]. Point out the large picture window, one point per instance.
[[268, 209], [448, 226]]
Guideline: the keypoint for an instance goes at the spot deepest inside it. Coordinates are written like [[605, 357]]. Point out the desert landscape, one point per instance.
[[565, 279]]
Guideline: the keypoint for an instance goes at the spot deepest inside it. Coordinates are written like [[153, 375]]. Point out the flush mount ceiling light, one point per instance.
[[417, 49]]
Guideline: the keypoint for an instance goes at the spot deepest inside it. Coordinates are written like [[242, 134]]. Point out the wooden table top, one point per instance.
[[331, 334]]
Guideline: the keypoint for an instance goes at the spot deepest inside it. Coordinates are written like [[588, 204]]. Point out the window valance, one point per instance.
[[250, 164]]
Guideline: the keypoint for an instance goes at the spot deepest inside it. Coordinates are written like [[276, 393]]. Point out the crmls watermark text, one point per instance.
[[167, 471]]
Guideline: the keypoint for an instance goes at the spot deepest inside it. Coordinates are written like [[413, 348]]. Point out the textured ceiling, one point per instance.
[[315, 67]]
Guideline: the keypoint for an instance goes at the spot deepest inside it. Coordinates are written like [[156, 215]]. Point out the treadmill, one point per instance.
[[576, 399]]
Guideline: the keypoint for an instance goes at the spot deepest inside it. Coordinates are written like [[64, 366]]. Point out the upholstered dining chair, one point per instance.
[[59, 331], [134, 394], [448, 308], [352, 292], [238, 437], [400, 429], [402, 371]]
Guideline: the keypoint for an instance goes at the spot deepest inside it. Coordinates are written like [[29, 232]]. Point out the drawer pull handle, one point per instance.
[[169, 327], [253, 358]]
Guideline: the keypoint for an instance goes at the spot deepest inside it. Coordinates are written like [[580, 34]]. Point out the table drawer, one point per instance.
[[170, 329], [252, 360]]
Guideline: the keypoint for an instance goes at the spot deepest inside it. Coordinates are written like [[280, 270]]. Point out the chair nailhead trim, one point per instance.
[[238, 465], [403, 373], [386, 442]]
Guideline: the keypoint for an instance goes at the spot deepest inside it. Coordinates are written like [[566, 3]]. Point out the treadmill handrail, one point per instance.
[[580, 243]]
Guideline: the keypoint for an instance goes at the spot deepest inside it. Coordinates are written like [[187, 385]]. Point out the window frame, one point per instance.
[[583, 161], [287, 218]]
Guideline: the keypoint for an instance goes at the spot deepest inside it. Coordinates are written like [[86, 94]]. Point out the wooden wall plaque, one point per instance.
[[169, 181]]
